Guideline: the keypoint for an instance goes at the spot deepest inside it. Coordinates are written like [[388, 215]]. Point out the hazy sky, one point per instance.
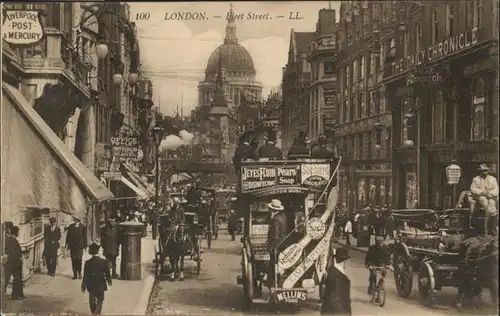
[[174, 54]]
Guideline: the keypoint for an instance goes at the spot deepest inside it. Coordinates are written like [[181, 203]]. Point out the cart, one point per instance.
[[301, 258], [419, 248], [223, 204]]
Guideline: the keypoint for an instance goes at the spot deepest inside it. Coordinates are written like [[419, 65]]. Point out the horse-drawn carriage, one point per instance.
[[223, 205], [178, 239], [299, 261], [434, 244]]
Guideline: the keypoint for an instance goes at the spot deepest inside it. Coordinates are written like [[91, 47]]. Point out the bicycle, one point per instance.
[[378, 293]]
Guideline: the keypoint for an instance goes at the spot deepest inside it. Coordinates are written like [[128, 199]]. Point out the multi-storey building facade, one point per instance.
[[295, 85], [323, 90], [442, 84], [364, 120], [49, 129]]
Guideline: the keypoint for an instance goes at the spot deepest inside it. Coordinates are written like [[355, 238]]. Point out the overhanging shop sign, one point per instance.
[[125, 150], [22, 27], [449, 46]]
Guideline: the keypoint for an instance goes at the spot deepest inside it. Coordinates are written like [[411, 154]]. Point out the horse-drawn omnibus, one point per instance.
[[308, 190]]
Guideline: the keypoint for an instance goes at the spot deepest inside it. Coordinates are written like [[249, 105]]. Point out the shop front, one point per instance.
[[41, 177], [444, 111]]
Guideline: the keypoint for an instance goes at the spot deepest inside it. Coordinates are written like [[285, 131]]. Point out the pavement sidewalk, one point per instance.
[[61, 294]]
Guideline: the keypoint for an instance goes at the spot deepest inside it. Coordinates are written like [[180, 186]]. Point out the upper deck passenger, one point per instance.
[[299, 148], [269, 149], [245, 150], [320, 151]]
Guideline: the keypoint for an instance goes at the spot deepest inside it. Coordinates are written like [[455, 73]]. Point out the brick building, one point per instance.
[[442, 84], [364, 119]]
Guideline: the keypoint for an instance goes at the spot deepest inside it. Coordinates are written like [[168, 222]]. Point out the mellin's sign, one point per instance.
[[22, 27]]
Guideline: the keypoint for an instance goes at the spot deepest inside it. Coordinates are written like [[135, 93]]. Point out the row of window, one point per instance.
[[444, 119], [370, 191], [366, 146], [363, 105], [386, 10], [413, 39]]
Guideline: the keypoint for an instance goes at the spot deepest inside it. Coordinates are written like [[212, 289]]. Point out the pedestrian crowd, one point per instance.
[[364, 223]]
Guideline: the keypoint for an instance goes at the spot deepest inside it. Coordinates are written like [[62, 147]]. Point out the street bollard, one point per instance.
[[130, 266]]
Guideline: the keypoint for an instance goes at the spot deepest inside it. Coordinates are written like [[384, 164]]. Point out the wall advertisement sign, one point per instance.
[[22, 27], [125, 150]]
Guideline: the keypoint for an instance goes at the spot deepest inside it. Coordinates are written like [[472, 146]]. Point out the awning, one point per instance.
[[38, 169], [140, 193], [137, 179]]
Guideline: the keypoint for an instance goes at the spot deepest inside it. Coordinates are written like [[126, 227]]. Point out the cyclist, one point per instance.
[[377, 256]]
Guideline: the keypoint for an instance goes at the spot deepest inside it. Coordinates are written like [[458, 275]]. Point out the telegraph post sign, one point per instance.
[[22, 27]]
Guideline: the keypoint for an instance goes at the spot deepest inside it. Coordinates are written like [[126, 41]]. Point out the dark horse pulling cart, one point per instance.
[[435, 245], [178, 240]]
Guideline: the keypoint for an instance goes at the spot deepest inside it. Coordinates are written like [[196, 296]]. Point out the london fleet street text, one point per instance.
[[261, 16], [186, 16]]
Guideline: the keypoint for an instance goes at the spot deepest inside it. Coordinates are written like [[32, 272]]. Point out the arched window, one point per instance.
[[478, 128], [438, 119]]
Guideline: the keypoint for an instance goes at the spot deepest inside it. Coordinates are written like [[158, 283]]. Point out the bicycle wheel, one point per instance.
[[381, 292]]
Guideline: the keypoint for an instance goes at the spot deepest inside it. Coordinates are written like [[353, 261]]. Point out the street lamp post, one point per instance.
[[158, 136], [100, 11]]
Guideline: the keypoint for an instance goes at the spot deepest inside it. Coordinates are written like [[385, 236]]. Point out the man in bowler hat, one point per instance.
[[76, 242], [337, 297], [52, 235], [96, 279], [14, 263]]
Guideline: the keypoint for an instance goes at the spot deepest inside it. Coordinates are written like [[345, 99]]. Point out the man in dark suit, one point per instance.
[[110, 236], [52, 235], [299, 148], [96, 279], [76, 242], [337, 297], [320, 151], [269, 149], [15, 263], [278, 230]]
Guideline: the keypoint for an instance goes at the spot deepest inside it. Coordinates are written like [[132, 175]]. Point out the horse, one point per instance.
[[177, 243], [480, 269]]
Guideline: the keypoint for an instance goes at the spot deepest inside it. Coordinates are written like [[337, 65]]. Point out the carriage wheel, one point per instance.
[[198, 260], [216, 226], [426, 284], [403, 274], [247, 283], [209, 240]]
